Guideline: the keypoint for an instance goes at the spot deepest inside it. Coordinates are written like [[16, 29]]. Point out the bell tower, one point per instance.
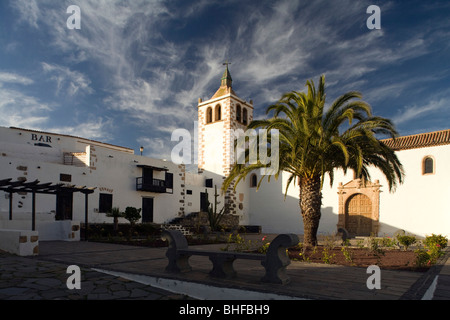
[[218, 117]]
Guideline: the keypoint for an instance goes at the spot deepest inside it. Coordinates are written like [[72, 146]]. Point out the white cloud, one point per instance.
[[7, 77], [155, 81], [29, 11], [157, 148], [95, 128], [73, 81], [413, 112], [16, 107], [21, 110]]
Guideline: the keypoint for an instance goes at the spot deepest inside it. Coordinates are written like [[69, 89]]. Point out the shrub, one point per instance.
[[406, 240], [434, 245], [387, 242], [423, 258], [238, 243], [326, 256], [435, 240], [132, 214], [347, 254], [265, 245], [375, 247]]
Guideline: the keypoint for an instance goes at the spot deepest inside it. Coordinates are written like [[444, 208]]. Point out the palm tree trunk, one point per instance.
[[310, 203]]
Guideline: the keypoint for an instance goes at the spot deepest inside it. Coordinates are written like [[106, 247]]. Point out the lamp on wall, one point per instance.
[[142, 149]]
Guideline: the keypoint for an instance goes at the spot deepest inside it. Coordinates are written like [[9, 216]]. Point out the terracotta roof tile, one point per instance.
[[422, 140]]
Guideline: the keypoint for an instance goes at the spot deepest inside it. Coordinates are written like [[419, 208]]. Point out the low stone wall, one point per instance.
[[66, 230], [20, 242]]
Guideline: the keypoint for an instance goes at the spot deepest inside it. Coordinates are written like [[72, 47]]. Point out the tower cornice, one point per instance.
[[229, 95]]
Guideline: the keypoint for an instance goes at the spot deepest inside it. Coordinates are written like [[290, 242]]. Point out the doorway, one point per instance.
[[64, 206], [359, 215], [147, 210], [204, 202]]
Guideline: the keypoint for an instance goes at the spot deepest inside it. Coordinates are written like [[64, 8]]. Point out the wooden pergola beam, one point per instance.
[[45, 188]]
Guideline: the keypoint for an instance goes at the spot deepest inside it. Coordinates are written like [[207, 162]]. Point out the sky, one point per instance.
[[134, 70]]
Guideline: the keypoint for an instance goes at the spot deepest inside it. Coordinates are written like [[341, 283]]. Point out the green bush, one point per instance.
[[376, 248], [423, 258], [406, 240], [132, 214], [387, 242], [434, 246], [436, 241], [265, 245], [147, 229]]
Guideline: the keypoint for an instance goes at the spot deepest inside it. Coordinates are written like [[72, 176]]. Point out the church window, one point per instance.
[[238, 113], [244, 117], [428, 165], [253, 181], [218, 113], [209, 115]]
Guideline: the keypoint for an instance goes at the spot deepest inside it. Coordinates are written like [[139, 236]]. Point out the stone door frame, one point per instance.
[[369, 189]]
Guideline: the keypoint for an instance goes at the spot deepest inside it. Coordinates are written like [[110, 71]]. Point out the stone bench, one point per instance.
[[274, 261]]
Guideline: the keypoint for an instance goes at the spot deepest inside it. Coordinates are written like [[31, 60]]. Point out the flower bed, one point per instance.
[[387, 253], [394, 259]]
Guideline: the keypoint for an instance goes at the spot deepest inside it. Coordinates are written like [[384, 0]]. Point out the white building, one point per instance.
[[418, 206], [120, 179], [164, 190]]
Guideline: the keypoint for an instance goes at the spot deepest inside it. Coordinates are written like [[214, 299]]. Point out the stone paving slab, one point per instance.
[[32, 279], [442, 291], [44, 276], [315, 281], [446, 268]]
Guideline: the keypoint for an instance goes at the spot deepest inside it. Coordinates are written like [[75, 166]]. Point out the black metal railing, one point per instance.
[[150, 185]]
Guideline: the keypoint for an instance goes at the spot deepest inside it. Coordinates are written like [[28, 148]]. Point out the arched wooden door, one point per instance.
[[359, 215]]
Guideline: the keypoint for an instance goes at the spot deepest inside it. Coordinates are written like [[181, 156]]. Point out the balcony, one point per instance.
[[151, 185]]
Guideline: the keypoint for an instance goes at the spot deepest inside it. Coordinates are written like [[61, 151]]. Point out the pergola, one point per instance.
[[11, 187]]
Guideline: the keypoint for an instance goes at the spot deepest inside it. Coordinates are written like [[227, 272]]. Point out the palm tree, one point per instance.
[[116, 214], [315, 141]]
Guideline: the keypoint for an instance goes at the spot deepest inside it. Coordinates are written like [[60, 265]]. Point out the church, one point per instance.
[[419, 206], [50, 183]]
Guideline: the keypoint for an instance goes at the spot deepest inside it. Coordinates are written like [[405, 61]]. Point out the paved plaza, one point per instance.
[[111, 271]]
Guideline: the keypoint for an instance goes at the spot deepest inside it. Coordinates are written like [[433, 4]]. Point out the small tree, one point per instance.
[[116, 214], [406, 240], [132, 215], [215, 217]]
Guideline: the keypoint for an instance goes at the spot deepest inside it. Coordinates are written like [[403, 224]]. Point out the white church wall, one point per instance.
[[213, 154], [270, 210], [421, 204]]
